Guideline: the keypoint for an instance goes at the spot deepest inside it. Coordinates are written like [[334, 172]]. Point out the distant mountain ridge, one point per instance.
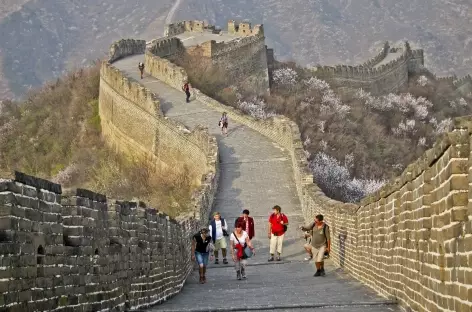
[[330, 32], [40, 39], [43, 38]]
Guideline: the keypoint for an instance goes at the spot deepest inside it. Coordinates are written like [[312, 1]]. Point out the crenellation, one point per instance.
[[244, 58], [373, 76], [464, 85], [126, 47]]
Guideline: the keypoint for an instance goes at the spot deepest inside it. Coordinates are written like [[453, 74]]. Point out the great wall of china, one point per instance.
[[410, 241]]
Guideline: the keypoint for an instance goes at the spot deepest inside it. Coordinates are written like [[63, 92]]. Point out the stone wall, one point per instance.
[[389, 77], [177, 28], [243, 29], [464, 85], [79, 252], [244, 59], [165, 47], [132, 121], [126, 47], [165, 70], [410, 241]]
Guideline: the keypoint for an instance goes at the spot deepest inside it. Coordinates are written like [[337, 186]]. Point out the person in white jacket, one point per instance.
[[218, 231]]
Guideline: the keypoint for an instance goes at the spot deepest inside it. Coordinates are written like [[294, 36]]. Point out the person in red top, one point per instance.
[[248, 223], [277, 226]]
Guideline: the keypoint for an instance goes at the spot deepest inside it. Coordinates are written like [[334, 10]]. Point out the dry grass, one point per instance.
[[55, 134]]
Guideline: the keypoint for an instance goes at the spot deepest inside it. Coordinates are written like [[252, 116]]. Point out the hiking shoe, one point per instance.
[[318, 273], [322, 272], [243, 273], [271, 259], [238, 275], [278, 259], [216, 261], [225, 261], [201, 280]]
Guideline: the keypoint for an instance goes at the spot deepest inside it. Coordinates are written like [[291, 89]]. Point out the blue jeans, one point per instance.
[[202, 258]]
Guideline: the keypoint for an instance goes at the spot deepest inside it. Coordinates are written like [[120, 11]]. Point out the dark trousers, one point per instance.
[[188, 96]]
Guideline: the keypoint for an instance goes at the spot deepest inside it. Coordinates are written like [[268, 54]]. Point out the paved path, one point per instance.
[[256, 174]]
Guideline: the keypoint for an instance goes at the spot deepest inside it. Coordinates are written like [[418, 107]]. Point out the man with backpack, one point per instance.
[[320, 242], [278, 223], [141, 68]]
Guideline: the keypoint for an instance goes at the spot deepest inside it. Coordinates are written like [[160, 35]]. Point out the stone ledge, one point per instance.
[[37, 182], [91, 195]]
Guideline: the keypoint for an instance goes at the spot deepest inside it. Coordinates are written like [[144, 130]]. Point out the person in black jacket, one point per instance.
[[202, 248]]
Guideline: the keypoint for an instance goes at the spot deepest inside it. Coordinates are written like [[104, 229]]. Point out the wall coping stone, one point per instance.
[[38, 182]]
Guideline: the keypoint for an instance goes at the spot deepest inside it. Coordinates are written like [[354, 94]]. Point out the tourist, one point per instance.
[[320, 242], [248, 223], [218, 230], [278, 223], [201, 249], [186, 89], [223, 123], [241, 250], [141, 68]]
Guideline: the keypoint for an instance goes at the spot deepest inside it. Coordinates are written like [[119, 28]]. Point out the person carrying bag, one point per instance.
[[241, 250]]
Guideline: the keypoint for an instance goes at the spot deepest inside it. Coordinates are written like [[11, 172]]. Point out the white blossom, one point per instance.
[[334, 179], [331, 103], [398, 167], [422, 141], [255, 107], [321, 125], [324, 145], [443, 126], [422, 81], [285, 76], [405, 127], [404, 103], [462, 102], [307, 141], [349, 161], [316, 84], [66, 175]]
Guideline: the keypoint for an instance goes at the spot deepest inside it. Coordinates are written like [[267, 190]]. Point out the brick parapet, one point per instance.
[[180, 27], [389, 77], [79, 252], [125, 47]]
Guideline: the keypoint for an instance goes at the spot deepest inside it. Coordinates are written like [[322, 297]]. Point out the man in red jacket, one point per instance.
[[248, 223], [278, 223]]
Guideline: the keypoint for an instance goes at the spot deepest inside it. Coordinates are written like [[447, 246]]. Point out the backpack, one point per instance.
[[285, 226]]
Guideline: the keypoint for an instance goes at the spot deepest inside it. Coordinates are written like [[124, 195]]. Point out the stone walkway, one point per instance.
[[256, 174]]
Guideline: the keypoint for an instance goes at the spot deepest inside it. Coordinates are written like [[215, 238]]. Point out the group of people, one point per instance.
[[207, 243]]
